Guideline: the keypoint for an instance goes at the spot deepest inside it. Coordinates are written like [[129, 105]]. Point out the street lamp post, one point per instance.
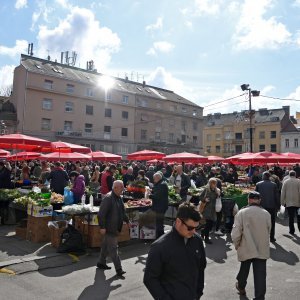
[[254, 93]]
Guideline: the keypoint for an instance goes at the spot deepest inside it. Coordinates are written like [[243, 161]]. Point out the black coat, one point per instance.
[[59, 179], [269, 194], [160, 197], [175, 270], [5, 181], [112, 214]]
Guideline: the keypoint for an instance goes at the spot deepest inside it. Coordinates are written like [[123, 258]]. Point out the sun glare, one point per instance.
[[106, 82]]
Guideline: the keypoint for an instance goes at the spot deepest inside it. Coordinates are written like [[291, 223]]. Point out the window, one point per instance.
[[171, 137], [262, 135], [125, 99], [89, 92], [108, 148], [287, 143], [218, 149], [183, 138], [296, 143], [273, 134], [238, 136], [195, 140], [173, 107], [183, 125], [195, 126], [195, 113], [88, 128], [184, 109], [157, 135], [48, 84], [208, 149], [158, 122], [69, 106], [107, 95], [124, 132], [47, 104], [107, 132], [172, 123], [227, 148], [46, 124], [125, 115], [123, 149], [218, 137], [238, 149], [68, 125], [107, 113], [273, 148], [70, 88], [227, 135], [144, 117], [208, 137], [143, 134], [262, 148], [89, 109]]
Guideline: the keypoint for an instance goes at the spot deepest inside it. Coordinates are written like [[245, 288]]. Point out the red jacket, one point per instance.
[[106, 182]]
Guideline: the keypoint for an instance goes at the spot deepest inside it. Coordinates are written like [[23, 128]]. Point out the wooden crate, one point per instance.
[[21, 232], [55, 233], [37, 229]]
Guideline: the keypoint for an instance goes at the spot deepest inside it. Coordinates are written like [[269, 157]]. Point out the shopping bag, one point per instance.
[[68, 197], [218, 206], [235, 209], [281, 212]]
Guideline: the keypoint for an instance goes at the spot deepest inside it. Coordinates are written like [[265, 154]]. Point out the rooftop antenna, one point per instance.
[[30, 49], [48, 57]]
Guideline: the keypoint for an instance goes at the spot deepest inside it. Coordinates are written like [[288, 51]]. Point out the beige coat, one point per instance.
[[290, 192], [251, 233]]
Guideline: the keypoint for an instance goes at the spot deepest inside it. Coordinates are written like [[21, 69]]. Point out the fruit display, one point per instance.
[[138, 203], [136, 186], [56, 198]]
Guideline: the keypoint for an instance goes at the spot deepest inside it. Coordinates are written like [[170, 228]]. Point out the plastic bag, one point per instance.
[[68, 197], [193, 185], [218, 206], [235, 209], [281, 212]]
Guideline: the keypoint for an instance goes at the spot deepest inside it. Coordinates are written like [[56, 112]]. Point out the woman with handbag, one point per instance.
[[208, 207]]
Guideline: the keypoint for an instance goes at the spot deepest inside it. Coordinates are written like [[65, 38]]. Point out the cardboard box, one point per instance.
[[37, 229], [134, 230], [55, 233], [21, 232], [93, 219], [39, 211], [94, 237], [147, 233]]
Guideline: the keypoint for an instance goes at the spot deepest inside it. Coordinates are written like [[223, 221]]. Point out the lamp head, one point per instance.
[[245, 87], [255, 93]]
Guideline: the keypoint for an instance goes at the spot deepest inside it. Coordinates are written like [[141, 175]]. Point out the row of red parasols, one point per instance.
[[63, 151]]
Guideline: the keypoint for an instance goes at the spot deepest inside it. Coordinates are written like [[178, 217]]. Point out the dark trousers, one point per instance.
[[159, 223], [259, 274], [208, 227], [292, 211], [109, 248], [219, 220], [272, 212]]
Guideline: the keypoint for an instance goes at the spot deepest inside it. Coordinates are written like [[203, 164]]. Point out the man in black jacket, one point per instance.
[[111, 217], [182, 182], [270, 200], [177, 274], [159, 198], [58, 178], [5, 181]]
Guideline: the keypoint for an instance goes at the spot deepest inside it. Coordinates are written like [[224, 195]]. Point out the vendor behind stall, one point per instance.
[[58, 178], [78, 187]]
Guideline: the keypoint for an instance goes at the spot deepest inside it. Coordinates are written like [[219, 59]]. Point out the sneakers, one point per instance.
[[120, 272], [219, 232], [103, 267], [273, 240], [240, 291]]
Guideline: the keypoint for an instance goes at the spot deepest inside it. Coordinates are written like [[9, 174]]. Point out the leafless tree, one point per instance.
[[6, 90]]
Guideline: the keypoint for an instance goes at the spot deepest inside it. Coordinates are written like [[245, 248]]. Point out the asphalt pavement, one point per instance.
[[41, 273]]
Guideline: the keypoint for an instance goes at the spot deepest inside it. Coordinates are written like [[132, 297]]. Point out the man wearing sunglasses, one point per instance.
[[176, 261]]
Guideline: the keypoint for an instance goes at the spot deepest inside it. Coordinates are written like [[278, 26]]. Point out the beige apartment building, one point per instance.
[[57, 101], [229, 134]]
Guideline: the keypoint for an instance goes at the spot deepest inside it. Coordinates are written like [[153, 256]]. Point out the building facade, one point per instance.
[[56, 101], [229, 134]]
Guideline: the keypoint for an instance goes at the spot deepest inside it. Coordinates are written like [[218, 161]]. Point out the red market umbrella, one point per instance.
[[292, 156], [58, 156], [236, 157], [186, 158], [145, 155], [24, 156], [214, 158], [264, 157], [105, 156], [60, 146], [22, 142], [4, 153], [154, 161]]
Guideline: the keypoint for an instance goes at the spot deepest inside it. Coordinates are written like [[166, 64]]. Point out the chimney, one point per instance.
[[144, 83], [286, 110]]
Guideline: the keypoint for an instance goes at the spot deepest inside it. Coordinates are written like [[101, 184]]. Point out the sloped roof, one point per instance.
[[47, 67]]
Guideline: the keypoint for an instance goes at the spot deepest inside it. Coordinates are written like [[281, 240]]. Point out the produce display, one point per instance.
[[56, 198], [195, 192], [9, 195], [138, 203], [23, 201], [174, 198], [76, 209], [136, 186], [232, 191]]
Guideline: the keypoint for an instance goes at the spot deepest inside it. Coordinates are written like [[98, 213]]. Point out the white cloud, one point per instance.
[[255, 31], [157, 25], [79, 32], [42, 11], [188, 24], [267, 89], [15, 51], [64, 3], [203, 7], [6, 76], [21, 4], [294, 105], [162, 46]]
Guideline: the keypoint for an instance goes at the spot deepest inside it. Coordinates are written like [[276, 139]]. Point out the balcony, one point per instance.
[[69, 133]]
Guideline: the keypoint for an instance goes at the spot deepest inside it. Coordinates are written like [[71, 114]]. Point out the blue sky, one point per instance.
[[201, 49]]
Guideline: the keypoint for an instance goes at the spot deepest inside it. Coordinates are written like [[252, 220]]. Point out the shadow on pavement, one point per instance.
[[217, 251], [101, 288], [293, 238], [282, 255]]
